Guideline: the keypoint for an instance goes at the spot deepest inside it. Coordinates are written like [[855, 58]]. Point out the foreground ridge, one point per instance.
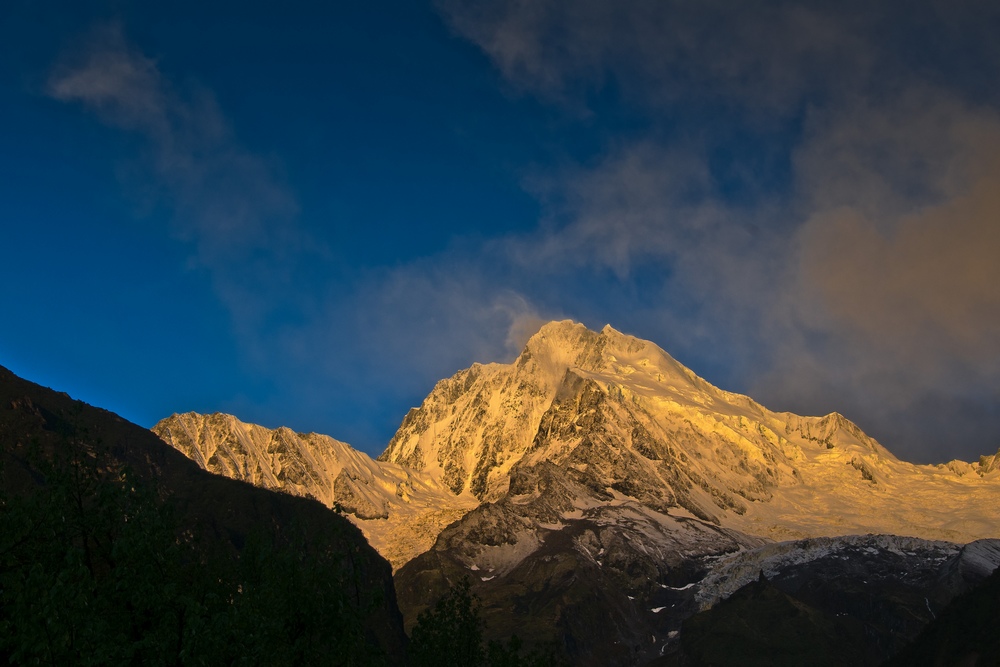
[[117, 545]]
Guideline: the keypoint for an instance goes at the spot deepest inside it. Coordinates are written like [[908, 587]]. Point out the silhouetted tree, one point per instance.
[[450, 634], [94, 570]]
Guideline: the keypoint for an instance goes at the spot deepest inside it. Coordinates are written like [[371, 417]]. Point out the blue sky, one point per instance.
[[307, 216]]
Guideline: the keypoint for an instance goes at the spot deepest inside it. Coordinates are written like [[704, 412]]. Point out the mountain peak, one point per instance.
[[569, 334], [617, 412], [559, 344], [565, 334], [566, 344], [475, 426]]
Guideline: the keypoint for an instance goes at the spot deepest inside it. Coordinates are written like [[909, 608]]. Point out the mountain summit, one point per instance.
[[475, 425], [621, 493]]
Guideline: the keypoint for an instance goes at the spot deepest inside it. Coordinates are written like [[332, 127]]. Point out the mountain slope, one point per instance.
[[966, 633], [42, 430], [861, 598], [400, 511], [619, 416]]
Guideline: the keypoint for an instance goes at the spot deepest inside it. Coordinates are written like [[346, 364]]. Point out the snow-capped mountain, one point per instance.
[[623, 418], [401, 511]]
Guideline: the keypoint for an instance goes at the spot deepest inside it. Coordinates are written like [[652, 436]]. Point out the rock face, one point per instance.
[[967, 632], [594, 585], [854, 600], [400, 511], [477, 424]]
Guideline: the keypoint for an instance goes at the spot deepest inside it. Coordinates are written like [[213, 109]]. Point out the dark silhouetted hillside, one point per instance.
[[116, 548]]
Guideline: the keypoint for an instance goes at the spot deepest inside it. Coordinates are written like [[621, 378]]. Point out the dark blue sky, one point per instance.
[[307, 216]]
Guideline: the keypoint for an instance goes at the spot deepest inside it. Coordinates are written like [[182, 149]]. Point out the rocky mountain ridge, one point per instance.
[[400, 511], [855, 600]]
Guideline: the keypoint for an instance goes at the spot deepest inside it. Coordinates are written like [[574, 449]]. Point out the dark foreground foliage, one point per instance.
[[450, 634], [117, 549], [94, 570]]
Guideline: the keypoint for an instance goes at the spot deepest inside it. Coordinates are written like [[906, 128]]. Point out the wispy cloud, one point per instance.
[[226, 200], [642, 201], [419, 321], [765, 55], [895, 268]]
